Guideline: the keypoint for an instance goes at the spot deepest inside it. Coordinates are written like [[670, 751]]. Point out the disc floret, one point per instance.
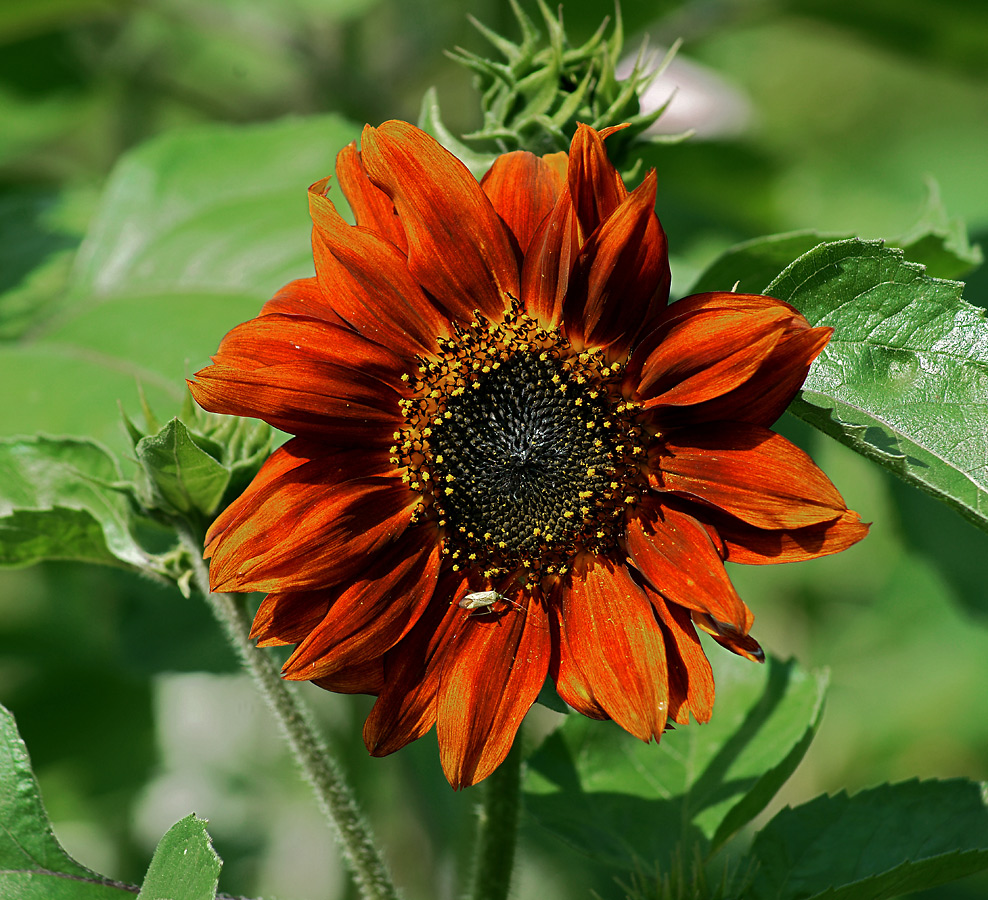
[[523, 449]]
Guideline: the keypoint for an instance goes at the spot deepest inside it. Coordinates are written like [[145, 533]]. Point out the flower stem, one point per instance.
[[320, 769], [497, 829]]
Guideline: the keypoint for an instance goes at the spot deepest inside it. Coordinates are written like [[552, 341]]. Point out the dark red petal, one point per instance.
[[757, 547], [305, 376], [595, 185], [287, 618], [618, 646], [374, 611], [676, 555], [302, 525], [363, 678], [705, 355], [372, 208], [741, 644], [691, 680], [621, 275], [368, 280], [523, 189], [406, 706], [457, 247], [571, 683], [494, 669], [549, 262], [750, 472], [302, 297]]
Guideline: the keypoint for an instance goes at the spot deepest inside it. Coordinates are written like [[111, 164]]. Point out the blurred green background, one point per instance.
[[827, 115]]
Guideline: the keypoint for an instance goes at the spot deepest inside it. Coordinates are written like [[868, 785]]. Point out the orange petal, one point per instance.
[[287, 618], [621, 278], [523, 188], [676, 555], [493, 672], [691, 680], [372, 208], [302, 297], [406, 706], [755, 546], [374, 611], [748, 471], [457, 247], [305, 376], [571, 683], [368, 280], [594, 184], [363, 678], [741, 644], [299, 525], [618, 646], [705, 355], [549, 262]]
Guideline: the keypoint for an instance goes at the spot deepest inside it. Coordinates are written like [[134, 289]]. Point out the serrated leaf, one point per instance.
[[184, 477], [195, 231], [878, 844], [58, 501], [184, 866], [626, 802], [904, 379], [33, 865]]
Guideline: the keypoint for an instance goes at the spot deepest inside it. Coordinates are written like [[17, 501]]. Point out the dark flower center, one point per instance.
[[524, 450]]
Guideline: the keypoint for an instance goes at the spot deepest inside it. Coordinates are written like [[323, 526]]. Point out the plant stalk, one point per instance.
[[319, 767], [497, 829]]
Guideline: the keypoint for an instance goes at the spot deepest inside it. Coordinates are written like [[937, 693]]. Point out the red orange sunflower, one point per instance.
[[512, 459]]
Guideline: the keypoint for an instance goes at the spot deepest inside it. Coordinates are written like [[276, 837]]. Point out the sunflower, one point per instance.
[[512, 459]]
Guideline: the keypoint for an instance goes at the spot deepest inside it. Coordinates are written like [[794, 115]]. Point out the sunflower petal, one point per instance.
[[457, 247], [595, 185], [619, 647], [677, 557], [406, 705], [549, 263], [691, 680], [750, 472], [302, 297], [364, 678], [373, 612], [493, 672], [368, 280], [372, 208], [523, 188], [288, 617]]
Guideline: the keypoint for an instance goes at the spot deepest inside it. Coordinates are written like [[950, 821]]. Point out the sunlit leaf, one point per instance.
[[623, 801], [33, 865], [882, 843], [185, 865], [58, 500], [904, 379]]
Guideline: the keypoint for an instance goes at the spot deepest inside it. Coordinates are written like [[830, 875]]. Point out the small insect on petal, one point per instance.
[[481, 602]]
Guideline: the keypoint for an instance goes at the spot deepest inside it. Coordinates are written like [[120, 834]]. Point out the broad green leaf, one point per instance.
[[753, 264], [626, 802], [195, 231], [878, 844], [185, 865], [904, 379], [33, 865], [59, 500], [183, 476]]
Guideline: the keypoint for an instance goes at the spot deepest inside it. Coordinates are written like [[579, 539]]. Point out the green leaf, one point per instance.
[[59, 500], [753, 264], [185, 865], [183, 476], [33, 865], [625, 802], [881, 843], [195, 231], [905, 376]]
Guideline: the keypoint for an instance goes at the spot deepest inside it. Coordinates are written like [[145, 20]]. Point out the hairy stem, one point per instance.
[[497, 829], [320, 769]]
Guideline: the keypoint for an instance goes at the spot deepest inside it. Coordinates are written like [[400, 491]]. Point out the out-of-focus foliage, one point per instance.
[[122, 688]]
